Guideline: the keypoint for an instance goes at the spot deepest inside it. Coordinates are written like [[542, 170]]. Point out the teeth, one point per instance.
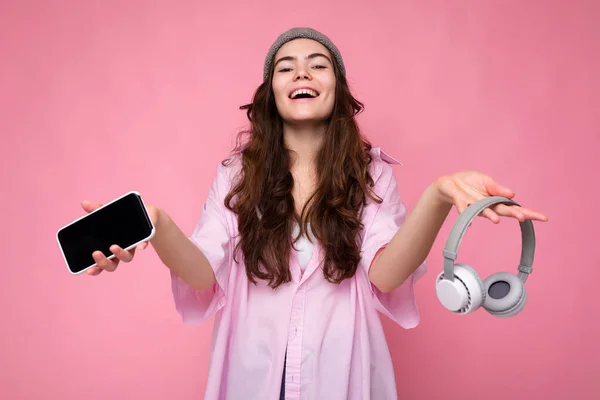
[[311, 93]]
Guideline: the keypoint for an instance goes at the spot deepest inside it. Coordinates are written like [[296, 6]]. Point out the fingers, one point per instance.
[[90, 206], [509, 211], [104, 263], [463, 195], [519, 213], [495, 189], [495, 212], [491, 215], [93, 271], [123, 255], [533, 215], [499, 190]]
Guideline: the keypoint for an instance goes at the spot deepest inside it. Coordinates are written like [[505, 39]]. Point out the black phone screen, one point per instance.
[[123, 222]]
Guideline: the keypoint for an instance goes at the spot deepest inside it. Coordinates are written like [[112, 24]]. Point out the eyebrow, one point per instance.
[[310, 56]]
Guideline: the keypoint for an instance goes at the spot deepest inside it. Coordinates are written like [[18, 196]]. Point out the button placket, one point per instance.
[[294, 349]]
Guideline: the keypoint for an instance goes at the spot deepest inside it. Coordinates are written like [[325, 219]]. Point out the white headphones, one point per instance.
[[459, 287]]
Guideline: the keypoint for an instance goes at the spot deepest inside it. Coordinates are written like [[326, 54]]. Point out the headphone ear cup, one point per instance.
[[465, 294], [478, 296], [515, 310], [506, 295]]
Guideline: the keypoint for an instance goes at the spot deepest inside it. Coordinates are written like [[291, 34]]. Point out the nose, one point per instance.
[[301, 73]]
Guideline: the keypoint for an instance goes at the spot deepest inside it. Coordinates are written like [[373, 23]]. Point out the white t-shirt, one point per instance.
[[304, 246]]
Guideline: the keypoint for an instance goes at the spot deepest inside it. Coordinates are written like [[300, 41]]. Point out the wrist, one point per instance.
[[439, 195], [156, 215], [436, 197]]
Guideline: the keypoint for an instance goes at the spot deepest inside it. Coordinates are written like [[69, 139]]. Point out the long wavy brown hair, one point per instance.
[[264, 202]]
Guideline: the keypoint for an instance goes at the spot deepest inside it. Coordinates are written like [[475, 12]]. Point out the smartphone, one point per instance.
[[124, 222]]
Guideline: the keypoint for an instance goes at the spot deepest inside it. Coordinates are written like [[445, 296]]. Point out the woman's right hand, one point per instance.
[[102, 262]]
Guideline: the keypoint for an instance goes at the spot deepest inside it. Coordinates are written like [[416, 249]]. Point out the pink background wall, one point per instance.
[[98, 98]]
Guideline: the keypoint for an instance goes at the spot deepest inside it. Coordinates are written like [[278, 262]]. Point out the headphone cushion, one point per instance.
[[477, 290], [514, 300], [513, 311]]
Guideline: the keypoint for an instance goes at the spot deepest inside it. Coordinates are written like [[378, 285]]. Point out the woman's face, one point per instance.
[[304, 82]]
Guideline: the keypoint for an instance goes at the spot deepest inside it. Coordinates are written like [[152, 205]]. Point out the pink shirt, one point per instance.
[[333, 334]]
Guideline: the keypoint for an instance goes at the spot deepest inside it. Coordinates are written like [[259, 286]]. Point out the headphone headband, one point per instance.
[[463, 222]]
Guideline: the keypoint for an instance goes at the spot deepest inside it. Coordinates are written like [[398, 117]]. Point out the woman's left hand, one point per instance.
[[466, 187]]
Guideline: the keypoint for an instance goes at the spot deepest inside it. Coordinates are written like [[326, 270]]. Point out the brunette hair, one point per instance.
[[265, 205]]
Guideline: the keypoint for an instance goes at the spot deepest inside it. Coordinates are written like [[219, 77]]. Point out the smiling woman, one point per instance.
[[309, 134], [308, 95], [304, 238]]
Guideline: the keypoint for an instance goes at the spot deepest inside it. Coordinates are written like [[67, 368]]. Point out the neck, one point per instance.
[[304, 141]]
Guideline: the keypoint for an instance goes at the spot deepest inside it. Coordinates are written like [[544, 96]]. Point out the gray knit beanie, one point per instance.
[[302, 33]]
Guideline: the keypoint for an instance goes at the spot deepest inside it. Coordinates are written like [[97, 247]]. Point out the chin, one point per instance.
[[313, 112], [306, 117], [305, 120]]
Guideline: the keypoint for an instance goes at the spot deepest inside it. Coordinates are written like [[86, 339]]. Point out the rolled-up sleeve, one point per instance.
[[211, 235], [400, 304]]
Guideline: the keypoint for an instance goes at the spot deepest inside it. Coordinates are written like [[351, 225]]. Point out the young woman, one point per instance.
[[304, 238]]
